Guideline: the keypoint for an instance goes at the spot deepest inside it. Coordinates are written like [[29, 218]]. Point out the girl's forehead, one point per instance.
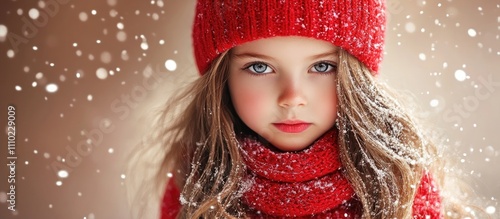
[[288, 46]]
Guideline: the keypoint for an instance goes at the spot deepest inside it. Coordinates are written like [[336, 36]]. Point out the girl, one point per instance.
[[288, 120]]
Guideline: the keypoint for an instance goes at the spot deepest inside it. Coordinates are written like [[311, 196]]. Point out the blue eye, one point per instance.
[[259, 68], [324, 67]]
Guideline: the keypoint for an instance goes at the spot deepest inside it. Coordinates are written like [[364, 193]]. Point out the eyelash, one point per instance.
[[330, 63], [249, 65]]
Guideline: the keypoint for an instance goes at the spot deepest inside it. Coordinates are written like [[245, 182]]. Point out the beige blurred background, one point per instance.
[[86, 76]]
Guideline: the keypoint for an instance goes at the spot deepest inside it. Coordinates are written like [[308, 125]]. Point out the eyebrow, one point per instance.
[[252, 55], [262, 56], [329, 53]]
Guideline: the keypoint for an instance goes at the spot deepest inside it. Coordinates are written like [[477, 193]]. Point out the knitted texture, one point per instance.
[[303, 184], [170, 205], [295, 183], [357, 26], [427, 202]]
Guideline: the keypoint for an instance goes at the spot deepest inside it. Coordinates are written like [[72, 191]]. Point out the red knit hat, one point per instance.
[[357, 26]]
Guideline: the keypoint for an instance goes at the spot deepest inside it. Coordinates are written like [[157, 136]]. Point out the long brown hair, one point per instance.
[[382, 150], [202, 150]]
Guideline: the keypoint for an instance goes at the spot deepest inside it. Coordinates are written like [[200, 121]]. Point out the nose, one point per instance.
[[292, 93]]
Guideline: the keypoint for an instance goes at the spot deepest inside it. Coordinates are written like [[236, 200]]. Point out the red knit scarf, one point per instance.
[[304, 184], [297, 184]]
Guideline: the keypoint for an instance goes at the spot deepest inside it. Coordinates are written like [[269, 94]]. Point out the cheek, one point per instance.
[[248, 102], [326, 102]]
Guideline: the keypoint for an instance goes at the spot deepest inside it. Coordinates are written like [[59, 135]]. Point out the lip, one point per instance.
[[292, 126]]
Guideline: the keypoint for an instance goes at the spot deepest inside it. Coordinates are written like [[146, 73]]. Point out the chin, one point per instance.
[[291, 147]]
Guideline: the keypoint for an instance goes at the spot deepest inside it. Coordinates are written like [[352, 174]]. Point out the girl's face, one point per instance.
[[283, 88]]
